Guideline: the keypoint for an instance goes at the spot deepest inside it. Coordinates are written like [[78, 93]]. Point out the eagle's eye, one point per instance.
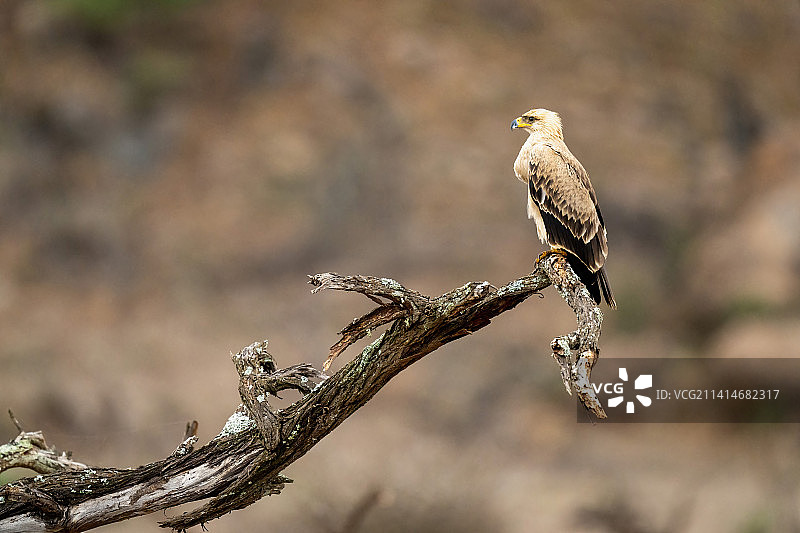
[[530, 118]]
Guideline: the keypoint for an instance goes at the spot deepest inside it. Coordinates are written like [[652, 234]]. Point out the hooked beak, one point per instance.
[[518, 123]]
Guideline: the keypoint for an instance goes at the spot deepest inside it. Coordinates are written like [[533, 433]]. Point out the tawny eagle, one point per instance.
[[562, 201]]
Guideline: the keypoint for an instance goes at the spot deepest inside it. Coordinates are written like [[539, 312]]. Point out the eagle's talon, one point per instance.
[[547, 253]]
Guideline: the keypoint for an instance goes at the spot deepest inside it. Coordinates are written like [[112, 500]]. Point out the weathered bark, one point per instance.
[[243, 463]]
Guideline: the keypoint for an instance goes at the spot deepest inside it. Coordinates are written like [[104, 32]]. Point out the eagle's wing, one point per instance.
[[559, 187]]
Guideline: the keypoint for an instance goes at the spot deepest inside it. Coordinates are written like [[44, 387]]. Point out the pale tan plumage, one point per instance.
[[561, 199]]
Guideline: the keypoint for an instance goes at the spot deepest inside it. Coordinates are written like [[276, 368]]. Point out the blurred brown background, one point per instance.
[[170, 171]]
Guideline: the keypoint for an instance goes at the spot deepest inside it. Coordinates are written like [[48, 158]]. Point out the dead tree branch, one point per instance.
[[244, 462], [29, 450]]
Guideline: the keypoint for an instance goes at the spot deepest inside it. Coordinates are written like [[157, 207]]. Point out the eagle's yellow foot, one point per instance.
[[544, 255]]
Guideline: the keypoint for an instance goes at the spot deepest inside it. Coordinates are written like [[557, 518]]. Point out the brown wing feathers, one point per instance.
[[573, 222], [566, 228]]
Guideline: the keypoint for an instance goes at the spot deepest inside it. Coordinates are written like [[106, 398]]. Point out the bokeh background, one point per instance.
[[170, 172]]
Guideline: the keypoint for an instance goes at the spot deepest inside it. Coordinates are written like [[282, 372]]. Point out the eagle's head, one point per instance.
[[540, 121]]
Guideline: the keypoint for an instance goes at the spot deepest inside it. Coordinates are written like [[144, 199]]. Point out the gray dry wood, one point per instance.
[[244, 462]]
